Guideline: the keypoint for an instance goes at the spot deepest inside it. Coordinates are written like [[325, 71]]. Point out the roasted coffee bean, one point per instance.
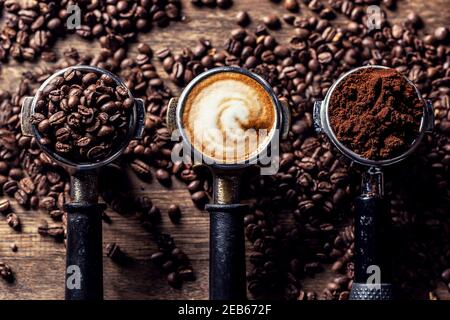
[[14, 247], [414, 19], [114, 252], [291, 5], [174, 213], [163, 176], [6, 272], [4, 205], [10, 187], [47, 203], [140, 167], [186, 273], [75, 131], [242, 18], [21, 197], [56, 232], [272, 21], [13, 221], [199, 197], [174, 280]]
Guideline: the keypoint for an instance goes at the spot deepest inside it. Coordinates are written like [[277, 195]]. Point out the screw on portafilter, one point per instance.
[[227, 251], [372, 222], [84, 274]]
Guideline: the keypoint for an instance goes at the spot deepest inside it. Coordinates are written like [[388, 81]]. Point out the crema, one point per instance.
[[229, 117]]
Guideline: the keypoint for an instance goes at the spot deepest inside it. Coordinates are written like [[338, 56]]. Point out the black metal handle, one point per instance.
[[84, 265], [227, 280], [373, 264]]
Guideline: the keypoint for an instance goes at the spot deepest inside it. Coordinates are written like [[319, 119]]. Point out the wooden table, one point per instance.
[[39, 262]]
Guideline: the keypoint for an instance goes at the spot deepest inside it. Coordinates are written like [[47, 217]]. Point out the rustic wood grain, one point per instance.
[[39, 262]]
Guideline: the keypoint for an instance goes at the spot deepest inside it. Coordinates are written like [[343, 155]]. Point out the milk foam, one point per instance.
[[229, 117]]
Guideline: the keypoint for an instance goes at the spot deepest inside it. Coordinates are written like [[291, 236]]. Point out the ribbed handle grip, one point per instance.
[[373, 264]]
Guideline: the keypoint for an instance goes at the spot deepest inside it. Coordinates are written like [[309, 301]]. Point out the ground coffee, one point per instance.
[[376, 113]]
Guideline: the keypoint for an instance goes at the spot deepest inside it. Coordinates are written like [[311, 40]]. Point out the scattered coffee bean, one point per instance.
[[174, 213], [6, 272], [242, 18], [272, 21], [13, 221], [291, 5], [223, 4], [14, 247], [114, 252], [4, 205], [174, 280]]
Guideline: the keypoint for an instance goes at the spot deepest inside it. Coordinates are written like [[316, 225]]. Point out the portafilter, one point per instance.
[[227, 274], [372, 221], [84, 274]]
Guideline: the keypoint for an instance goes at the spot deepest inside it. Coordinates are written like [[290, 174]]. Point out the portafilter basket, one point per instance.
[[84, 274], [373, 264], [227, 244]]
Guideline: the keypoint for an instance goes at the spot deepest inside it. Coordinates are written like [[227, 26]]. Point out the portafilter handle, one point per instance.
[[227, 278], [84, 256], [373, 258]]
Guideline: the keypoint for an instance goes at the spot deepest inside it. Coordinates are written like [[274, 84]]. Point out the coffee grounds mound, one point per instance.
[[376, 113]]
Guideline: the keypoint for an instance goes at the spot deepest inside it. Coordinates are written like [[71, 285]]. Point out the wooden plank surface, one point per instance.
[[39, 262]]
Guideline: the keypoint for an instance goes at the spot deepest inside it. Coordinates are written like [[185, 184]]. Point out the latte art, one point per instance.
[[229, 117]]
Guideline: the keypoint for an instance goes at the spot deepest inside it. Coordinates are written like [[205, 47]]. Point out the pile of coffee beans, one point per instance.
[[29, 30], [83, 116], [300, 220], [32, 27], [125, 19], [173, 261]]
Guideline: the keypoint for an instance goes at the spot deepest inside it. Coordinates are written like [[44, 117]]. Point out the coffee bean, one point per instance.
[[291, 5], [10, 187], [47, 203], [114, 252], [174, 280], [4, 205], [14, 247], [140, 168], [242, 18], [174, 213], [272, 21], [163, 176], [446, 275], [186, 273], [199, 197], [414, 19], [13, 221], [441, 33]]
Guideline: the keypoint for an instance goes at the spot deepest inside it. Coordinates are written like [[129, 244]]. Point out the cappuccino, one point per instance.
[[229, 117]]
